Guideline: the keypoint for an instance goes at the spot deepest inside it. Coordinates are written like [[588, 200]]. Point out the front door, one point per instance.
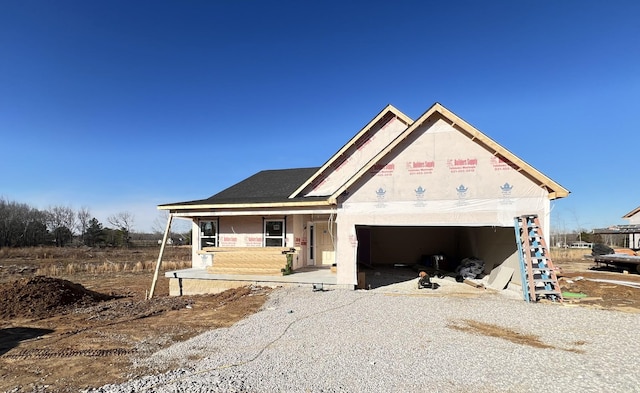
[[324, 240], [320, 248]]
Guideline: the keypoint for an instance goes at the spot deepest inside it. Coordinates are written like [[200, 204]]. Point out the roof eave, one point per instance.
[[558, 194], [632, 213], [555, 190], [256, 205], [388, 109]]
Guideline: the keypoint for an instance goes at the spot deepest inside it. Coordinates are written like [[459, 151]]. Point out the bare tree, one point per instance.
[[160, 222], [123, 221], [61, 221], [179, 226], [84, 217], [559, 230], [61, 216]]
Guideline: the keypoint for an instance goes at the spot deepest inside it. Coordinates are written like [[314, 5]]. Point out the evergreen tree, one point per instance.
[[94, 235], [63, 236]]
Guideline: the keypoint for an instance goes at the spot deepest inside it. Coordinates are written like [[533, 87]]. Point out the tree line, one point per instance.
[[24, 226]]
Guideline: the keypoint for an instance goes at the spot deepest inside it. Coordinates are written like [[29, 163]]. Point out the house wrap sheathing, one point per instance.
[[398, 192]]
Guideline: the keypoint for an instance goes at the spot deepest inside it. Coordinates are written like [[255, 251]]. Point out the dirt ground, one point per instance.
[[613, 289], [82, 326], [71, 332]]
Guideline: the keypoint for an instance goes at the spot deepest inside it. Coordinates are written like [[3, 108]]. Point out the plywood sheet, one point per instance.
[[500, 277]]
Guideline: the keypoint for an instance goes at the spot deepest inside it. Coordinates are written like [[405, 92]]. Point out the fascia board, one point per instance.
[[245, 205], [389, 108], [231, 213], [555, 190], [632, 213]]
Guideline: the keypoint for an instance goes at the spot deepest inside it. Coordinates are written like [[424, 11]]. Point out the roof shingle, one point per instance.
[[263, 187]]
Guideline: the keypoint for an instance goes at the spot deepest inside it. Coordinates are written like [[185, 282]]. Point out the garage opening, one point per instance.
[[405, 250]]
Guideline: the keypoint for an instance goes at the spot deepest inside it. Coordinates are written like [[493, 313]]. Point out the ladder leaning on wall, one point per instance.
[[539, 280]]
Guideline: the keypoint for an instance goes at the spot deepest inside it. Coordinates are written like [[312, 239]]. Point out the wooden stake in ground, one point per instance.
[[164, 243]]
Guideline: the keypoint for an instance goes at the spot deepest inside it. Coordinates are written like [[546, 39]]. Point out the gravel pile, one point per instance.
[[403, 340]]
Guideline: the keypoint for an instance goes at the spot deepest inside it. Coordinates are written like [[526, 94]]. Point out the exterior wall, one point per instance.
[[441, 173], [346, 250], [241, 231], [356, 157], [299, 241], [438, 177], [247, 231], [198, 261], [634, 238]]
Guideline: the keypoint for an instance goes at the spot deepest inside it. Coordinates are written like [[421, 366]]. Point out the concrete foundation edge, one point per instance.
[[194, 286]]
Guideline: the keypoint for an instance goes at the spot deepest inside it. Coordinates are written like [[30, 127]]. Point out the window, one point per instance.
[[208, 234], [274, 233]]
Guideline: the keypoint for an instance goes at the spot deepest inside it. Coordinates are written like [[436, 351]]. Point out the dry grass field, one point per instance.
[[569, 254], [55, 261]]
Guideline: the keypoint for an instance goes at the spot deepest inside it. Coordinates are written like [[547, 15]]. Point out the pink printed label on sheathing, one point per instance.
[[253, 241], [458, 165], [420, 167], [500, 164], [382, 169], [228, 241]]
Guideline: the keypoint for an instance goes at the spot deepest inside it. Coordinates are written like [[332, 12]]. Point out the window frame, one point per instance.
[[266, 237], [201, 237]]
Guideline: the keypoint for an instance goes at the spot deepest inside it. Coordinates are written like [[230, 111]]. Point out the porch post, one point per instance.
[[164, 242]]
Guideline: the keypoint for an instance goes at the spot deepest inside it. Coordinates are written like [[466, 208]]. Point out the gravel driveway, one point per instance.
[[400, 339]]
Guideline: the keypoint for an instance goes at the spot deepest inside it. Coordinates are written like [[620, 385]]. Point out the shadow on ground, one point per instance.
[[383, 276], [11, 337]]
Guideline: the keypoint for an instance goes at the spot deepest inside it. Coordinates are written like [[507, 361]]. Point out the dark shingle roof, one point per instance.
[[263, 187]]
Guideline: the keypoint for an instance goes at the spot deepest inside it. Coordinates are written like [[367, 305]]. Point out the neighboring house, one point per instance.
[[580, 244], [398, 191], [630, 232], [633, 229]]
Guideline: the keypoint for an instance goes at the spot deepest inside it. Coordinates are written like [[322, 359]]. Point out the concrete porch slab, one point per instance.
[[199, 281]]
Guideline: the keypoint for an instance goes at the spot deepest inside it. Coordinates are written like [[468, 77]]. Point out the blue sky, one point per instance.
[[123, 105]]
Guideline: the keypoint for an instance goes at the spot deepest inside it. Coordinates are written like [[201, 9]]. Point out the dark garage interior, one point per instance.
[[381, 247]]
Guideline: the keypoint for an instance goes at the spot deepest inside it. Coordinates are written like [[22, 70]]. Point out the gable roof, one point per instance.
[[385, 114], [283, 186], [265, 187], [438, 111]]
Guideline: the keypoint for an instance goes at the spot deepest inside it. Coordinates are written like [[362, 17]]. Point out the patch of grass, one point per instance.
[[568, 254], [53, 270]]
